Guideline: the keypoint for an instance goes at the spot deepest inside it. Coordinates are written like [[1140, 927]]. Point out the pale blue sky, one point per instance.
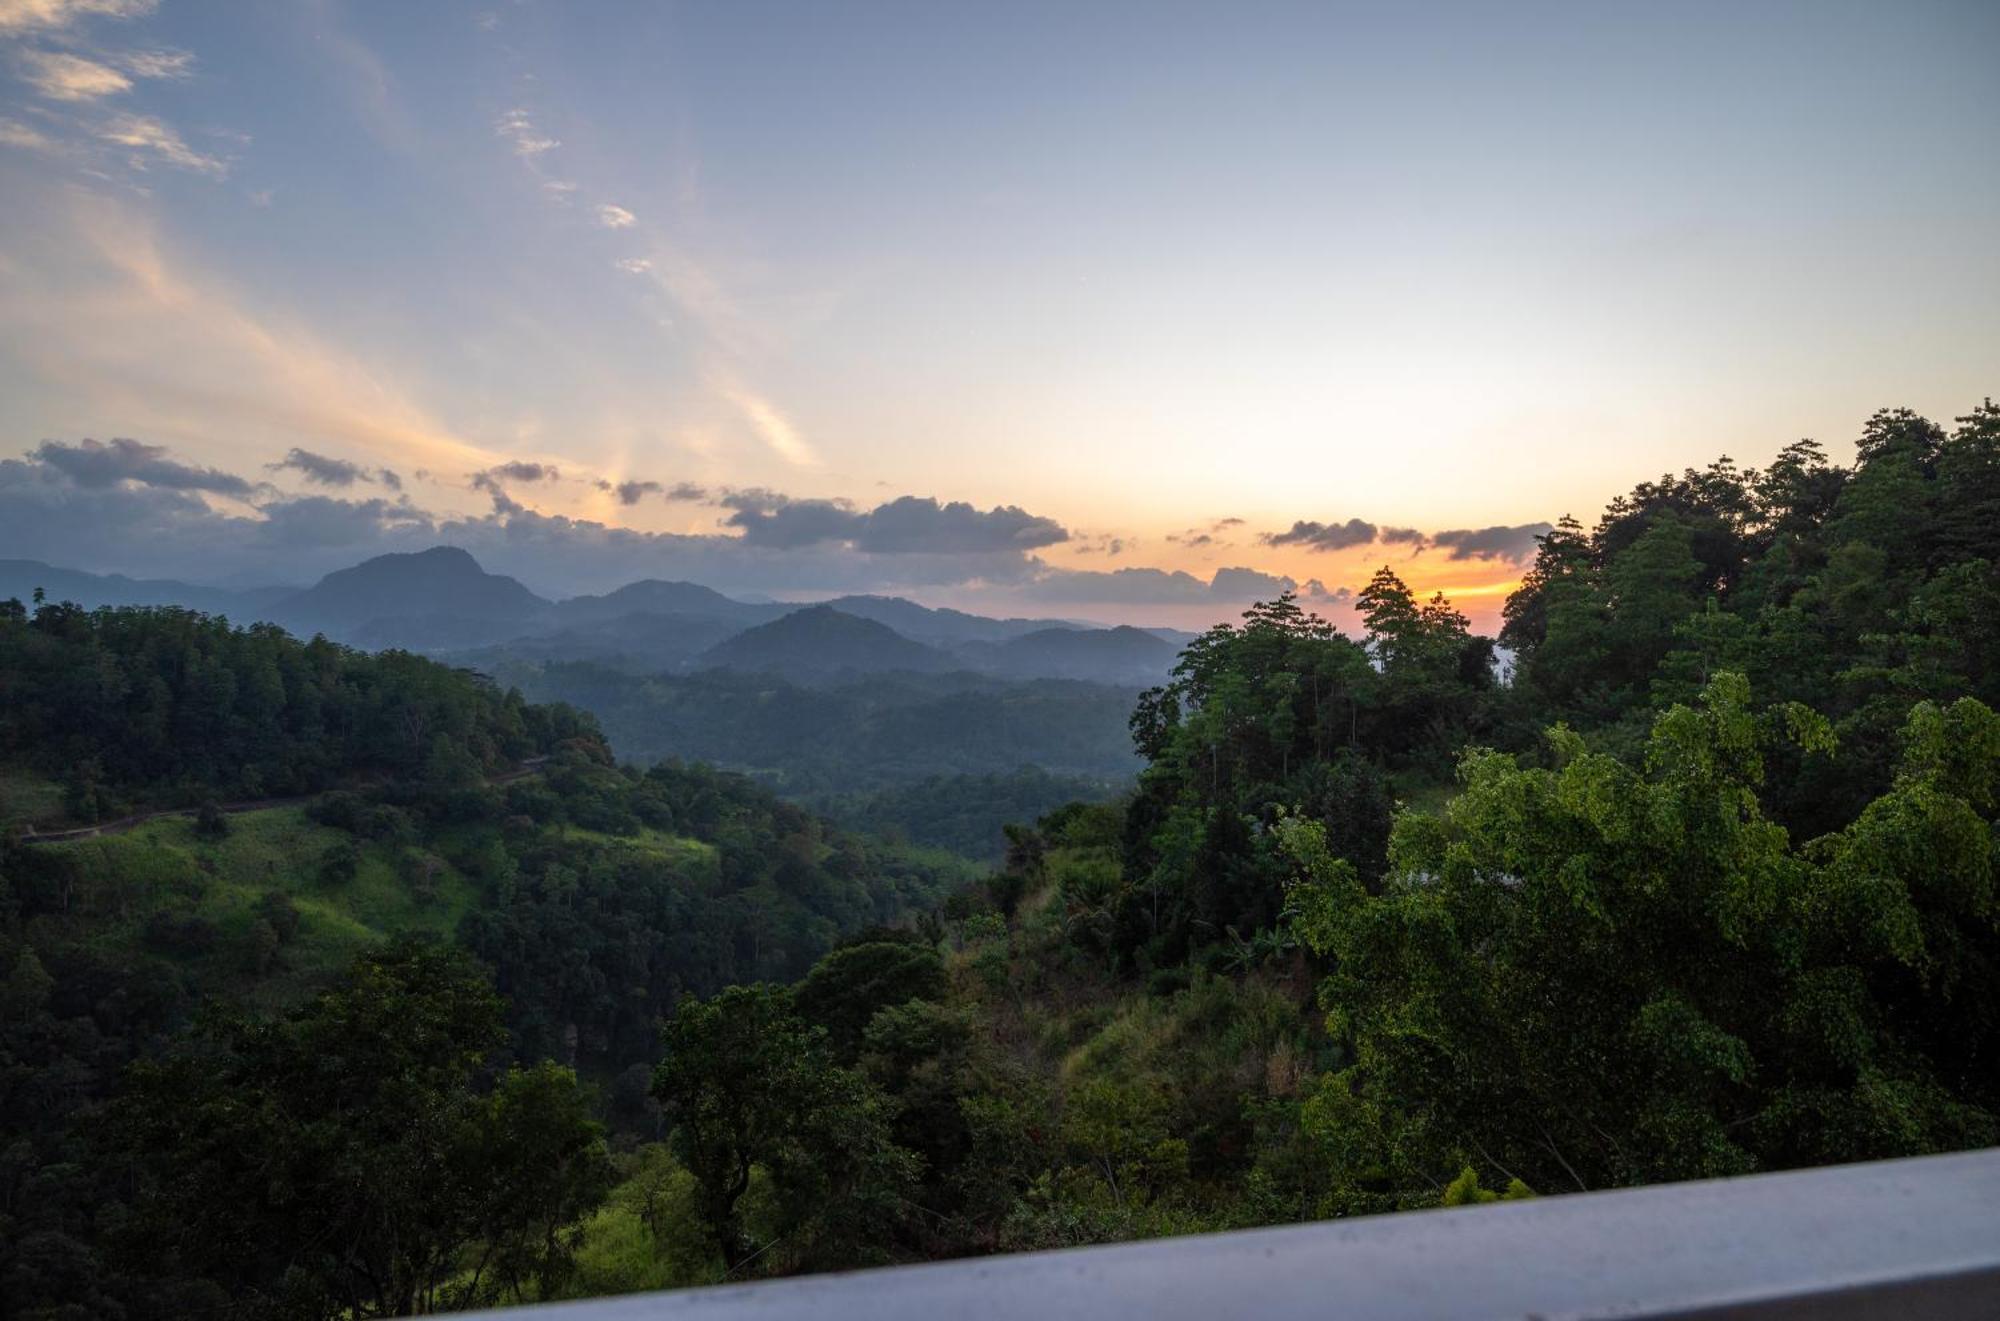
[[1131, 267]]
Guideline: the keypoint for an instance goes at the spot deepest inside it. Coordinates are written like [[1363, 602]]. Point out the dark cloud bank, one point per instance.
[[132, 507], [1515, 545]]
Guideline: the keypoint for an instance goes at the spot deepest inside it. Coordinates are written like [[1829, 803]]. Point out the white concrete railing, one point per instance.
[[1912, 1239]]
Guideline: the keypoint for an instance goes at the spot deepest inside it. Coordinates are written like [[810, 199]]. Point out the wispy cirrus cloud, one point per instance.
[[13, 133], [770, 424], [151, 139], [732, 345], [157, 63], [18, 16], [237, 370], [518, 128], [61, 76]]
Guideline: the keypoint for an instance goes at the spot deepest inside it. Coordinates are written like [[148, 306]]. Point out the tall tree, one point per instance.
[[748, 1085], [341, 1161]]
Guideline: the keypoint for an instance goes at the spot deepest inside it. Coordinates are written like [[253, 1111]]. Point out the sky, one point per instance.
[[1133, 312]]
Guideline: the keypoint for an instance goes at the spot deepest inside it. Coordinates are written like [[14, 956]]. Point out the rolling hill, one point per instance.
[[432, 598], [1099, 655], [819, 644]]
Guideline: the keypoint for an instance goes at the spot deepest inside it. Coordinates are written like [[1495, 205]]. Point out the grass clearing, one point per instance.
[[28, 799]]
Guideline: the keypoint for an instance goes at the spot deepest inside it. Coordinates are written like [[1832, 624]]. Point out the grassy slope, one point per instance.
[[164, 867], [29, 800]]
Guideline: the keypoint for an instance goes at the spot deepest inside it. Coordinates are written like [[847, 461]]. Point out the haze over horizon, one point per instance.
[[1126, 312]]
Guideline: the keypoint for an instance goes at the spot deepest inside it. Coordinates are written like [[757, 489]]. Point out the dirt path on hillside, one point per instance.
[[532, 766]]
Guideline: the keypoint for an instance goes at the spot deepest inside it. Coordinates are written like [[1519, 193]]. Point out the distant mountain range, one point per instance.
[[20, 579], [441, 601]]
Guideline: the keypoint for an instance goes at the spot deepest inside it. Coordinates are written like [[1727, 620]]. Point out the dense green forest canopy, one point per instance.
[[165, 706], [584, 901], [872, 733], [1706, 886]]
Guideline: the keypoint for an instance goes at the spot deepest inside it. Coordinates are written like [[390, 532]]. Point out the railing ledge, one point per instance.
[[1917, 1238]]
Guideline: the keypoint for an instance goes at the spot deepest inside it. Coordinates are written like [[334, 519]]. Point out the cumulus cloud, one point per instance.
[[520, 470], [1146, 586], [776, 521], [634, 265], [518, 128], [1248, 585], [1316, 593], [491, 481], [61, 76], [319, 521], [615, 217], [910, 524], [322, 470], [1323, 536], [632, 492], [18, 16], [1402, 536], [96, 464], [125, 506], [1515, 545], [153, 139], [906, 525]]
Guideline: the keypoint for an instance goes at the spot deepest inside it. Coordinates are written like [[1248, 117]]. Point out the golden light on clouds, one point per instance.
[[174, 354], [773, 426]]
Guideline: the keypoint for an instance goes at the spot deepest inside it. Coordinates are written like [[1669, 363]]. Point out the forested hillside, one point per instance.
[[865, 734], [1708, 887], [167, 707], [584, 901]]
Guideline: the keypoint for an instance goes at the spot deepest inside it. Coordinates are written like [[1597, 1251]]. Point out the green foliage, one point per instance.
[[169, 706], [846, 989], [747, 1084], [875, 735], [1466, 1191], [1717, 890], [340, 1161], [1858, 592], [1593, 975], [648, 1234], [963, 814], [593, 937]]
